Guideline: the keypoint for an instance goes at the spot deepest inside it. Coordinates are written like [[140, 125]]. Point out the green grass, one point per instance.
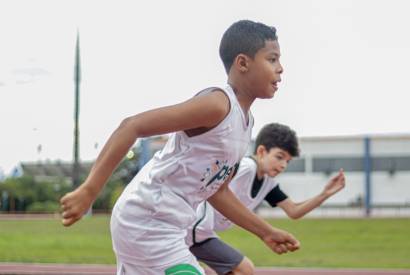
[[353, 243], [47, 241]]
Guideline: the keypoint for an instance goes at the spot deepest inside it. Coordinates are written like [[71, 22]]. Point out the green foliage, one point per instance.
[[23, 192], [27, 194], [124, 173], [115, 195], [104, 200]]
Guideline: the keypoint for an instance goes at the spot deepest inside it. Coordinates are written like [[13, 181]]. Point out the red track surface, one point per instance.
[[62, 269]]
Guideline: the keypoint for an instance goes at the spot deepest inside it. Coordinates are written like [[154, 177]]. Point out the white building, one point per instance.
[[322, 157]]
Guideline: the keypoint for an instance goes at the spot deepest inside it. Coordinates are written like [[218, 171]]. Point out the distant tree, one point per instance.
[[25, 193]]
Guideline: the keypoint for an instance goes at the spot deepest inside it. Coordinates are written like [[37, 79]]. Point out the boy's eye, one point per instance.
[[272, 60]]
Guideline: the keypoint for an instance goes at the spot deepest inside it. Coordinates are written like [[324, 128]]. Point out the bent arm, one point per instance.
[[202, 111], [298, 210], [279, 241], [226, 202]]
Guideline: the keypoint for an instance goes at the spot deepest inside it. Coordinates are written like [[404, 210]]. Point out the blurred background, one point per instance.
[[70, 71], [86, 65]]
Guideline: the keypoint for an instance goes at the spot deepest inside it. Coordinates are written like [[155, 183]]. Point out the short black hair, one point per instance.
[[275, 135], [246, 37]]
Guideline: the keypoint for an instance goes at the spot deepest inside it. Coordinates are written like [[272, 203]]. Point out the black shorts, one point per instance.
[[217, 255]]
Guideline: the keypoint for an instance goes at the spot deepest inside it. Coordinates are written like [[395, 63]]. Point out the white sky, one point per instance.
[[346, 66]]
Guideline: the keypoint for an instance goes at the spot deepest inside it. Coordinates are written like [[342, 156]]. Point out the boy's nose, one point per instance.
[[280, 69]]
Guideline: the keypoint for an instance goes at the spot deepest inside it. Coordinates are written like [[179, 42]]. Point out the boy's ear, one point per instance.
[[242, 63], [261, 150]]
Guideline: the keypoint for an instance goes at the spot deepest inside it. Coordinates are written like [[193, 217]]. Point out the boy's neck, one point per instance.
[[259, 173], [243, 95]]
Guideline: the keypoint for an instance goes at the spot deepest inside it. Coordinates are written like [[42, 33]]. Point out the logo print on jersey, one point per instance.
[[219, 172], [213, 169]]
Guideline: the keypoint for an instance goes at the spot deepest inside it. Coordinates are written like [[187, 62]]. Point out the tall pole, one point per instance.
[[368, 176], [77, 80]]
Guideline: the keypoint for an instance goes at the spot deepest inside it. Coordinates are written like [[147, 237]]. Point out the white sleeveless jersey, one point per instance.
[[210, 220], [150, 218]]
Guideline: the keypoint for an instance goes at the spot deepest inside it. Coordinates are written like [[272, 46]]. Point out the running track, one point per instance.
[[61, 269]]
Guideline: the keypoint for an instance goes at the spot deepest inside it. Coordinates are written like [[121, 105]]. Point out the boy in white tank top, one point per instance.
[[210, 135], [275, 146]]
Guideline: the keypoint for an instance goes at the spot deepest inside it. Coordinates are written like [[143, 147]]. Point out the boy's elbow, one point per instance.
[[295, 216], [129, 124], [126, 122]]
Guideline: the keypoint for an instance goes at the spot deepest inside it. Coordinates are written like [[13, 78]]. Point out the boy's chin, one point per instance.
[[267, 96], [271, 94]]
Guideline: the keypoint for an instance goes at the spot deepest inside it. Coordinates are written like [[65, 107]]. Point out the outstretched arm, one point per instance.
[[202, 111], [279, 241], [298, 210]]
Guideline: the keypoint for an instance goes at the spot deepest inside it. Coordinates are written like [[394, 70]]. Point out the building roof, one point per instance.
[[58, 169]]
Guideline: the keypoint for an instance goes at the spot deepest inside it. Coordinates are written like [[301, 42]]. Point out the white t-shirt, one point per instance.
[[210, 220], [150, 218]]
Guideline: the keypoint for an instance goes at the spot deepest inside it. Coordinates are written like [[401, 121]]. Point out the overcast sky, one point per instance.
[[346, 66]]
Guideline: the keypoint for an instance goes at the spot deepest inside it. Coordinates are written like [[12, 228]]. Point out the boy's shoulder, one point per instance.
[[248, 164], [211, 89]]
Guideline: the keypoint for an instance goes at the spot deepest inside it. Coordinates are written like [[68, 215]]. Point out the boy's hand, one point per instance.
[[75, 204], [335, 184], [280, 241]]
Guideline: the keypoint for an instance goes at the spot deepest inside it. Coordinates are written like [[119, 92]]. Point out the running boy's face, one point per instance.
[[264, 70], [272, 162]]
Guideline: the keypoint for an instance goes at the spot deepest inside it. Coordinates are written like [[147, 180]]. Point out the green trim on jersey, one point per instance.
[[182, 269]]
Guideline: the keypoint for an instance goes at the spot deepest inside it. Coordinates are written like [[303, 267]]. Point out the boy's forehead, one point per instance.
[[271, 47], [280, 150]]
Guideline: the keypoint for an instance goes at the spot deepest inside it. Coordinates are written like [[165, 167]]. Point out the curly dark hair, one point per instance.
[[246, 37], [278, 135]]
